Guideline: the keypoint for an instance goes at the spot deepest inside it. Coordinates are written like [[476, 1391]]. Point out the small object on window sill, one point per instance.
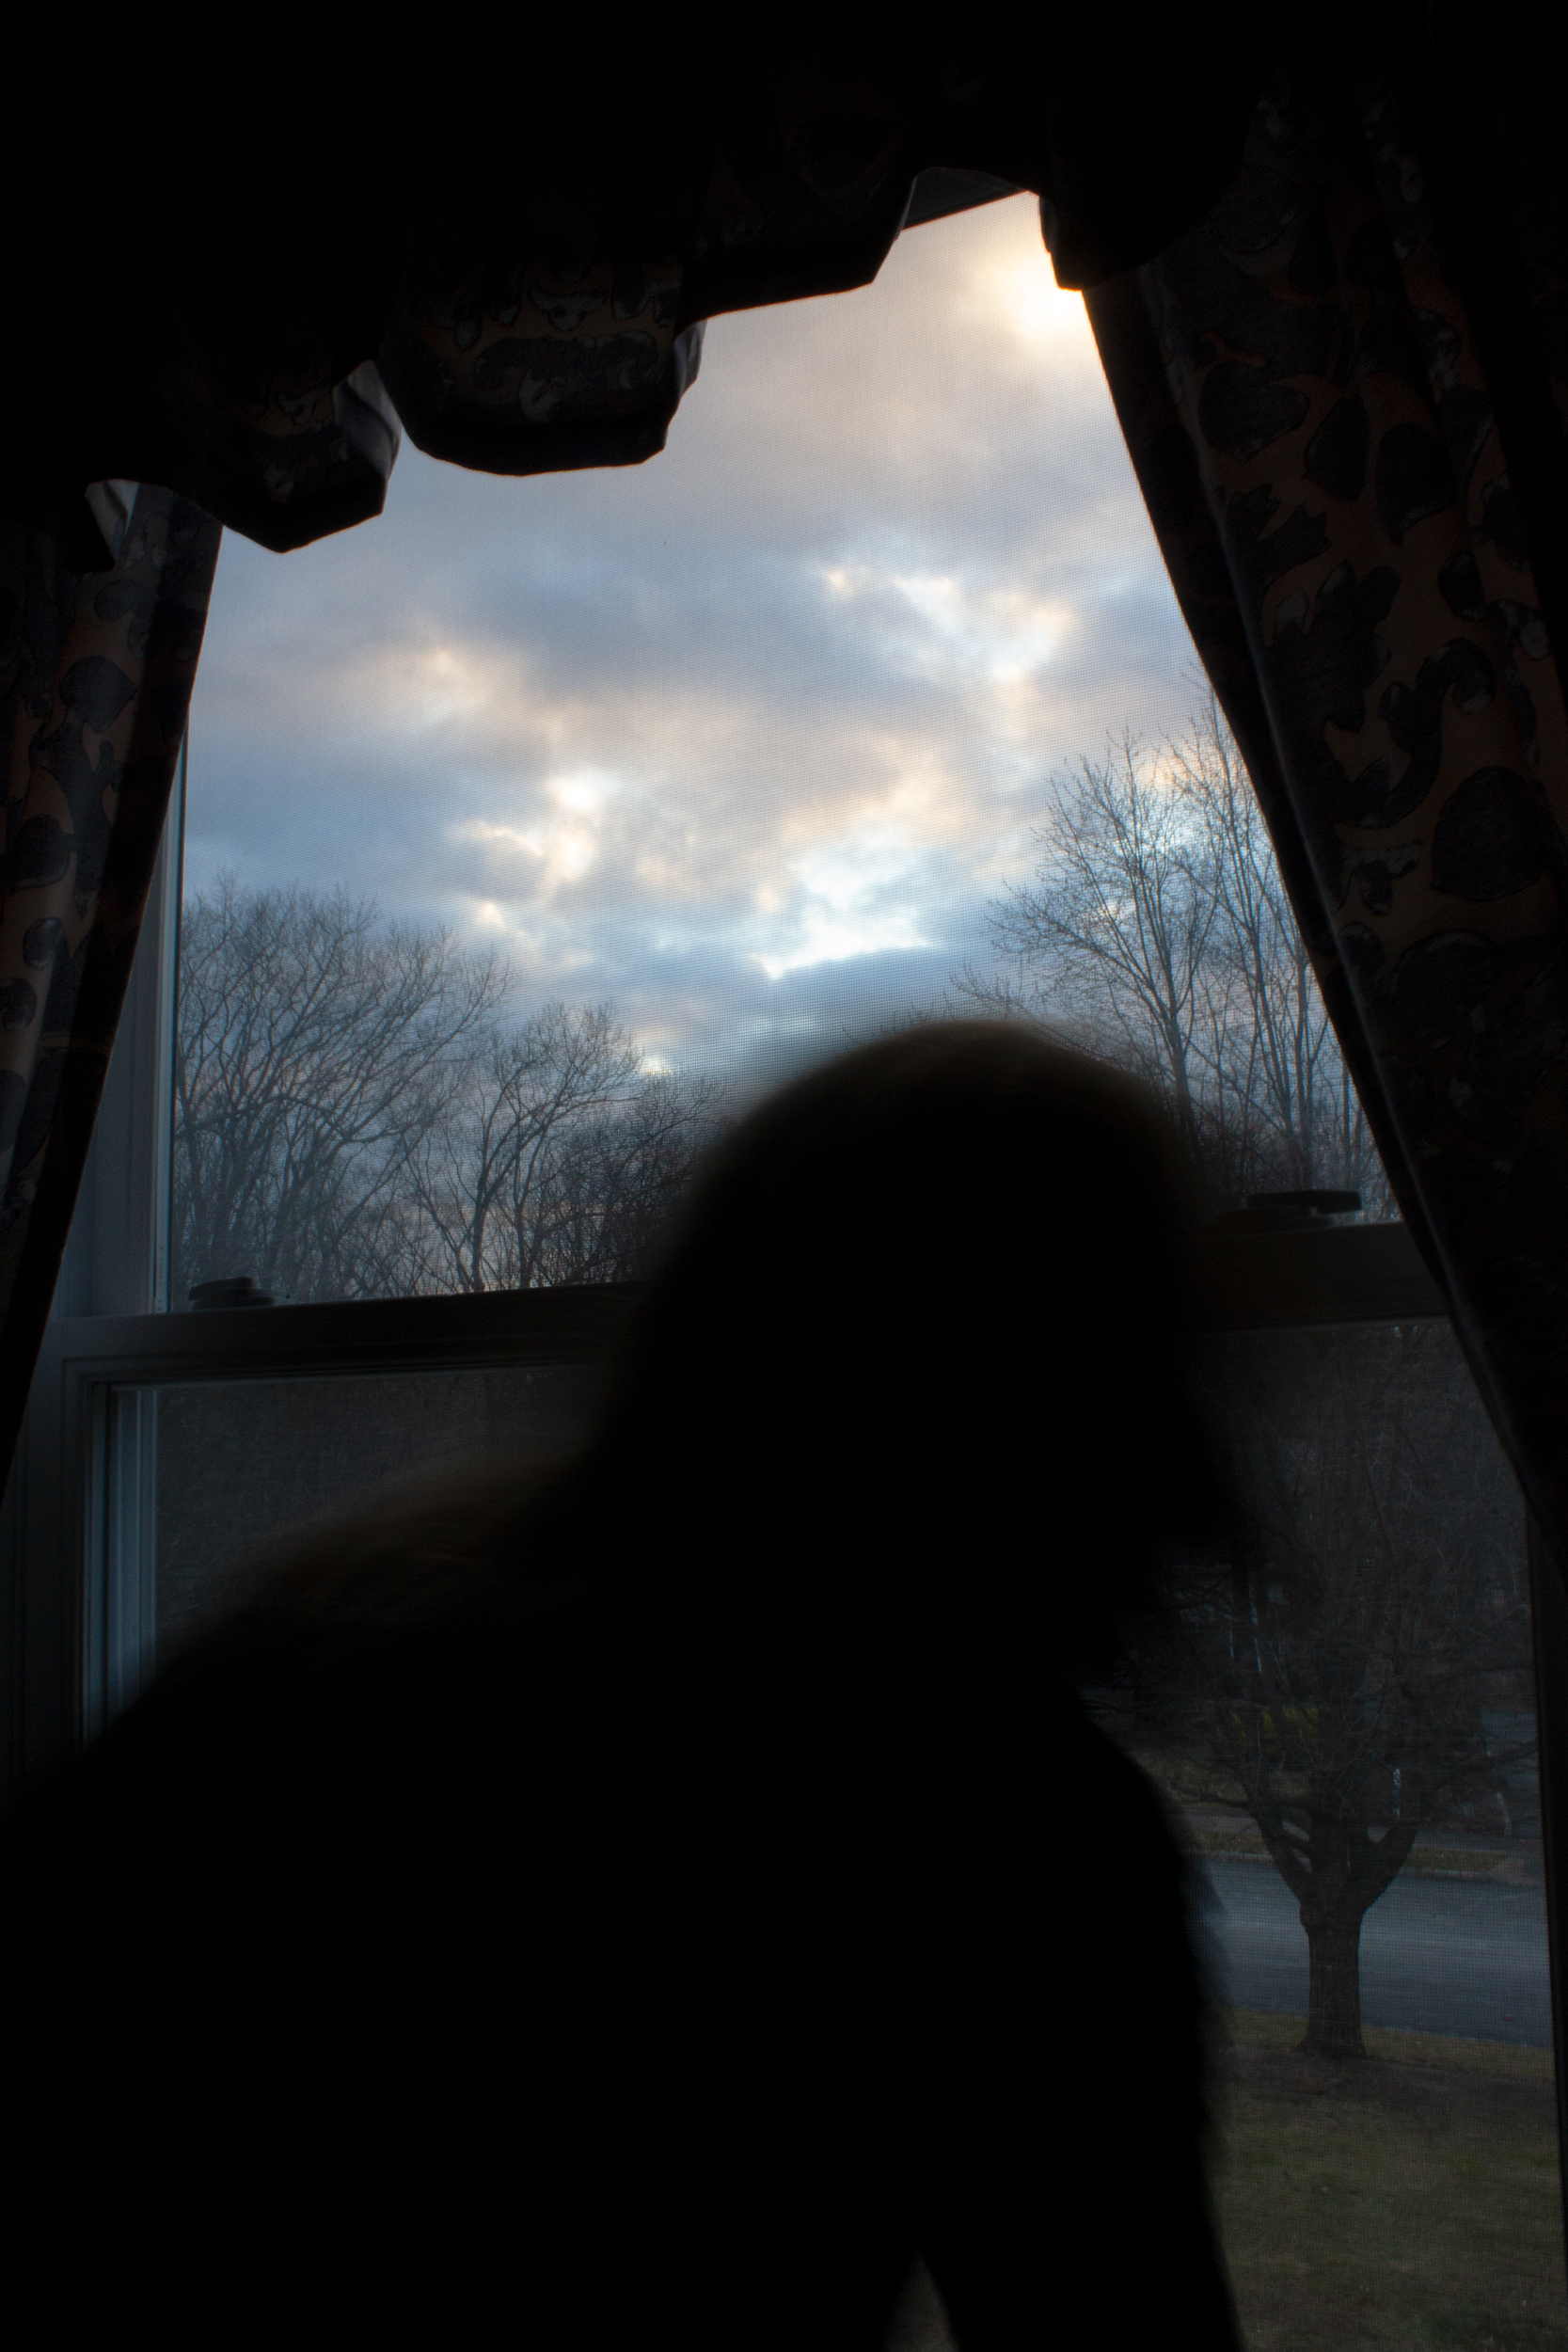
[[1290, 1211], [235, 1290]]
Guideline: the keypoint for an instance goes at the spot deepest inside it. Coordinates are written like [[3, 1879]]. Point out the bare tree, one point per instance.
[[557, 1159], [613, 1188], [479, 1175], [1157, 934], [1328, 1678], [356, 1117], [316, 1046], [1282, 1109], [1121, 914], [1331, 1677]]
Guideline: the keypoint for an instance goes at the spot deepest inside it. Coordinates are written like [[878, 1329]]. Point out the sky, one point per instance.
[[746, 738]]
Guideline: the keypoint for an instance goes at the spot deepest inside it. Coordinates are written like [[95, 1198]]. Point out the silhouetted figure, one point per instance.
[[653, 1906]]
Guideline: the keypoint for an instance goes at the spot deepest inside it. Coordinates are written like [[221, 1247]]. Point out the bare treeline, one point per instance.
[[1156, 932], [359, 1114]]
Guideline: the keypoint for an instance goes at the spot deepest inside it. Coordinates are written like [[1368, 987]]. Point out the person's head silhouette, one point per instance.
[[922, 1319]]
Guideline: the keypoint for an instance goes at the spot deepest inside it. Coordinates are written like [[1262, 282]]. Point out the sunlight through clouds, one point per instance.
[[1032, 309], [857, 895], [743, 739]]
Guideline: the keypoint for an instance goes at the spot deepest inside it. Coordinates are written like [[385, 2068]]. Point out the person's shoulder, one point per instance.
[[409, 1553], [405, 1626], [417, 1562]]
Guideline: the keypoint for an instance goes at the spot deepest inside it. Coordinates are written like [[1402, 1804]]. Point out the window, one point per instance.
[[722, 758], [529, 829]]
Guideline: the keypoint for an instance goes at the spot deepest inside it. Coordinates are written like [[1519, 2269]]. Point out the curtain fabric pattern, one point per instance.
[[1345, 392], [95, 680]]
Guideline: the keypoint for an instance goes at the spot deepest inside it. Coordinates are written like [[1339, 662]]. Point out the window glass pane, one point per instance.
[[739, 743], [1344, 1721]]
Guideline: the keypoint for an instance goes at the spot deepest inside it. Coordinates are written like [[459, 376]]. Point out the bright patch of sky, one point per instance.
[[744, 738]]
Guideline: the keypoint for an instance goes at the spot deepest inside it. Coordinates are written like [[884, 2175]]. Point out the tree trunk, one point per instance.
[[1334, 1984]]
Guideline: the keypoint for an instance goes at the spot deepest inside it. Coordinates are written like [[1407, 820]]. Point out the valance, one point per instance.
[[513, 252]]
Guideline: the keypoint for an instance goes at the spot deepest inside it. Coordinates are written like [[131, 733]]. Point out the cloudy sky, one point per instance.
[[744, 738]]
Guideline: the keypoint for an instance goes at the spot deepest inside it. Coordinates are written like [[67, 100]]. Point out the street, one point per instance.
[[1437, 1955]]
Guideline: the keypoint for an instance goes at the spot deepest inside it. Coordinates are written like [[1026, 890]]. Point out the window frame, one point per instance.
[[84, 1481]]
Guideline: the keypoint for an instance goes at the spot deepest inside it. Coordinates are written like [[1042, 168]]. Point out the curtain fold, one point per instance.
[[1344, 392], [95, 680]]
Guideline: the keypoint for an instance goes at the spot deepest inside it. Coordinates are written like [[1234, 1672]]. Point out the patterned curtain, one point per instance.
[[1345, 392], [95, 675]]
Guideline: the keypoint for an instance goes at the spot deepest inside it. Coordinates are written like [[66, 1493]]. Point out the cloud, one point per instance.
[[744, 737]]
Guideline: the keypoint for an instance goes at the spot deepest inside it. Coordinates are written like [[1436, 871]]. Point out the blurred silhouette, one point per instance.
[[664, 1901]]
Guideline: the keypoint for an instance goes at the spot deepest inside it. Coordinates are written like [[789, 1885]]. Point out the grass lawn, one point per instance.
[[1410, 2201]]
